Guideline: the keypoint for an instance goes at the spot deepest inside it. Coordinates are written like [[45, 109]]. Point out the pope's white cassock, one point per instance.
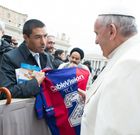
[[113, 102]]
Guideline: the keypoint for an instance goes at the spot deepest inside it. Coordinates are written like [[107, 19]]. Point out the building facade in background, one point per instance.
[[98, 62], [14, 22]]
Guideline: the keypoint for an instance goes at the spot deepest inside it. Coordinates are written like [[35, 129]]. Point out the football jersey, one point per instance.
[[59, 101]]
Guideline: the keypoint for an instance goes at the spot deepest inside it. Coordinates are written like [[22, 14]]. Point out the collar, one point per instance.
[[113, 52], [124, 45], [33, 53]]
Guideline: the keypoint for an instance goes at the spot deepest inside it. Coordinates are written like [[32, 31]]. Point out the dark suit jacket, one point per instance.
[[12, 60], [4, 47]]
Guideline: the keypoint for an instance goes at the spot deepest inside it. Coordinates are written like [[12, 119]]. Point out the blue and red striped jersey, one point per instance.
[[59, 101]]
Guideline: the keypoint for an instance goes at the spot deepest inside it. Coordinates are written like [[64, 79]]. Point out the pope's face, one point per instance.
[[102, 37]]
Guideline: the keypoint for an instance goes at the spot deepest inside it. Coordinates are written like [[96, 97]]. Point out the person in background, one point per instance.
[[112, 105], [88, 64], [50, 47], [4, 45], [59, 57], [50, 44], [33, 46], [66, 58], [75, 58], [11, 40]]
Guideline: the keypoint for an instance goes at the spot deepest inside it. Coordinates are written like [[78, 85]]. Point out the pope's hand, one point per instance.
[[82, 93]]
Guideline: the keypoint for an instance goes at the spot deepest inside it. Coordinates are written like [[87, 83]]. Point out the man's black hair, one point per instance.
[[30, 25]]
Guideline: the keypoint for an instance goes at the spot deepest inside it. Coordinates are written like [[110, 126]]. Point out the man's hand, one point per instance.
[[40, 76]]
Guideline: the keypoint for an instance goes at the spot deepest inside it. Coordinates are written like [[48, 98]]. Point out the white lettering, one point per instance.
[[67, 83]]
